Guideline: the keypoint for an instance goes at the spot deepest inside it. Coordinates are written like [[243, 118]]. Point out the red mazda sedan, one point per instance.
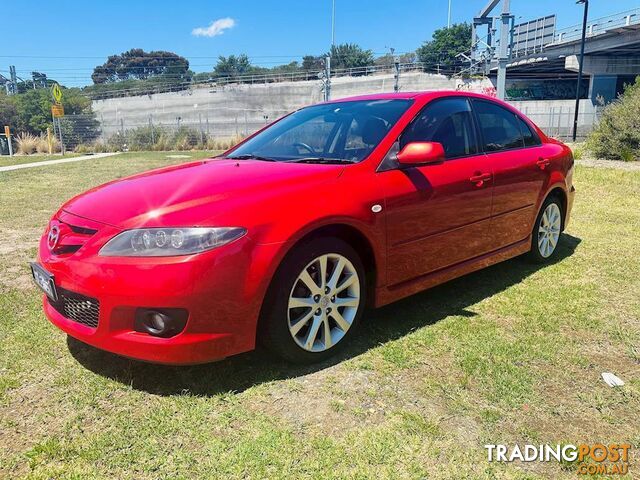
[[287, 237]]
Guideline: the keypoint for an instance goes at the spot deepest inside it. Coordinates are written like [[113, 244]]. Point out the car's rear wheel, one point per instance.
[[546, 231], [315, 301]]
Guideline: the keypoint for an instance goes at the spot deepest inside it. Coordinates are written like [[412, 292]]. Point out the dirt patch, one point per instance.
[[15, 254]]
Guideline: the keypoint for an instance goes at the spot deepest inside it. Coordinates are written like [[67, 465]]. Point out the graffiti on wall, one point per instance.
[[545, 89]]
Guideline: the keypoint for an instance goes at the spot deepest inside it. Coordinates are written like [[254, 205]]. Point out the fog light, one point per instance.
[[165, 322]]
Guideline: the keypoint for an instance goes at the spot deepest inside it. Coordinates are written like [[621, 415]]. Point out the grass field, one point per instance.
[[510, 354]]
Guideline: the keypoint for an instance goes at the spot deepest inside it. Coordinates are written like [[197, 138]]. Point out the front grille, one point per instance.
[[76, 307], [71, 237]]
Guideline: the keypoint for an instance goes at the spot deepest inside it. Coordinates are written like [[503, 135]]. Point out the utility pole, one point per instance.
[[333, 23], [503, 56], [13, 84], [396, 70], [584, 33], [449, 16], [327, 78]]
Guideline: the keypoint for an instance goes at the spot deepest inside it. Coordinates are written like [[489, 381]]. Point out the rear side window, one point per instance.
[[529, 136], [448, 121], [499, 126]]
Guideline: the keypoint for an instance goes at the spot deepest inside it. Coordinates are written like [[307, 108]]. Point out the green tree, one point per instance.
[[350, 55], [8, 112], [312, 63], [33, 111], [445, 45], [141, 65], [233, 66]]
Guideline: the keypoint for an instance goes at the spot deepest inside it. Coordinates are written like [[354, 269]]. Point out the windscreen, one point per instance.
[[343, 131]]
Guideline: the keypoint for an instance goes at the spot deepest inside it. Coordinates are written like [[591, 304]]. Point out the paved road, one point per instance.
[[55, 162]]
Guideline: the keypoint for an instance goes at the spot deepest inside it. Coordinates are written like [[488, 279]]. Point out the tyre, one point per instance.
[[546, 231], [315, 301]]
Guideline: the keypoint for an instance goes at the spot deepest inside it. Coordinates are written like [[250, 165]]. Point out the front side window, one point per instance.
[[341, 132], [448, 121], [500, 129]]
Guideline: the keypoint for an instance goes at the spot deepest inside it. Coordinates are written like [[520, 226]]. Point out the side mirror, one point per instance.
[[420, 153]]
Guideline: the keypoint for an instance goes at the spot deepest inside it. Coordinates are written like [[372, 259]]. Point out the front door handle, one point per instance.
[[543, 162], [480, 178]]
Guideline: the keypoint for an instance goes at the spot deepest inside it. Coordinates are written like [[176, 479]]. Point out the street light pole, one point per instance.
[[584, 33], [449, 16], [333, 23]]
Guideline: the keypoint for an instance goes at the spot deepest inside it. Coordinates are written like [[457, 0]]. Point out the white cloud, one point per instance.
[[217, 27]]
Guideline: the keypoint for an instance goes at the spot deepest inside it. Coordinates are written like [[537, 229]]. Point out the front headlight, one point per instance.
[[167, 242]]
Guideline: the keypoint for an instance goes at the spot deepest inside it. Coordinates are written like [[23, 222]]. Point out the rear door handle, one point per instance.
[[480, 178], [543, 162]]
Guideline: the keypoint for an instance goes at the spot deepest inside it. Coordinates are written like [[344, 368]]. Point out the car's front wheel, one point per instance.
[[315, 301]]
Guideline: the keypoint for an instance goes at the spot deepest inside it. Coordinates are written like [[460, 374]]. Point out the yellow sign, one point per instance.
[[57, 110], [56, 91], [7, 131]]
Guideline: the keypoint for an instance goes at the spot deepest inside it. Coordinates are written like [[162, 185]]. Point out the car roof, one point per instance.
[[412, 95]]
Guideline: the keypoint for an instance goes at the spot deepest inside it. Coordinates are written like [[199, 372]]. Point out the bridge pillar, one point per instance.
[[603, 87]]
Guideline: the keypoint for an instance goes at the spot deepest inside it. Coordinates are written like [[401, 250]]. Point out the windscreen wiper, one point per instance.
[[250, 156], [320, 160]]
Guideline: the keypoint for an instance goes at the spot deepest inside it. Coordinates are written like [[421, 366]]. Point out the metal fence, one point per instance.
[[211, 131], [598, 26], [557, 121], [80, 131]]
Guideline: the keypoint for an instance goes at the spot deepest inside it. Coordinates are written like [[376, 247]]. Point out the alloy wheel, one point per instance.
[[323, 302], [549, 230]]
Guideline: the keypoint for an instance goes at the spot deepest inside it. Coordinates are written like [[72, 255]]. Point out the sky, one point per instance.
[[66, 39]]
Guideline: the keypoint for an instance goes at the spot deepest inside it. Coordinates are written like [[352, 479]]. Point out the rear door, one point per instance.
[[438, 214], [519, 168]]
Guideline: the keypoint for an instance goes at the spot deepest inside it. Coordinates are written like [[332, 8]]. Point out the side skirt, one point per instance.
[[386, 295]]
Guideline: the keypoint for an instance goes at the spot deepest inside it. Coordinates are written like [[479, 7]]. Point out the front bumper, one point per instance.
[[221, 290]]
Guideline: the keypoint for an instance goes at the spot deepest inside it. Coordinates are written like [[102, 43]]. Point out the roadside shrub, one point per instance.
[[27, 143], [186, 138], [143, 138], [159, 138], [116, 142], [83, 148], [43, 145], [617, 136], [222, 143], [578, 150]]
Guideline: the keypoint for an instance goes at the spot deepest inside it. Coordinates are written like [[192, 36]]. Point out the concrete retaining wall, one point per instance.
[[241, 109], [233, 110]]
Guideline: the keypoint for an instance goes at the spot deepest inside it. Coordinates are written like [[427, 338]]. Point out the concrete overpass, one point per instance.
[[612, 55]]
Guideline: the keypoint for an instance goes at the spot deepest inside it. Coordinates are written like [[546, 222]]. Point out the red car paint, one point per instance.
[[424, 235]]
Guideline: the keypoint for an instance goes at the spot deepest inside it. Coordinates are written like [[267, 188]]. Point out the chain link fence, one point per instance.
[[557, 121], [210, 131]]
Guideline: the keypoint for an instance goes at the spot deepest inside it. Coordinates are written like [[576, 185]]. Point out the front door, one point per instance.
[[438, 214]]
